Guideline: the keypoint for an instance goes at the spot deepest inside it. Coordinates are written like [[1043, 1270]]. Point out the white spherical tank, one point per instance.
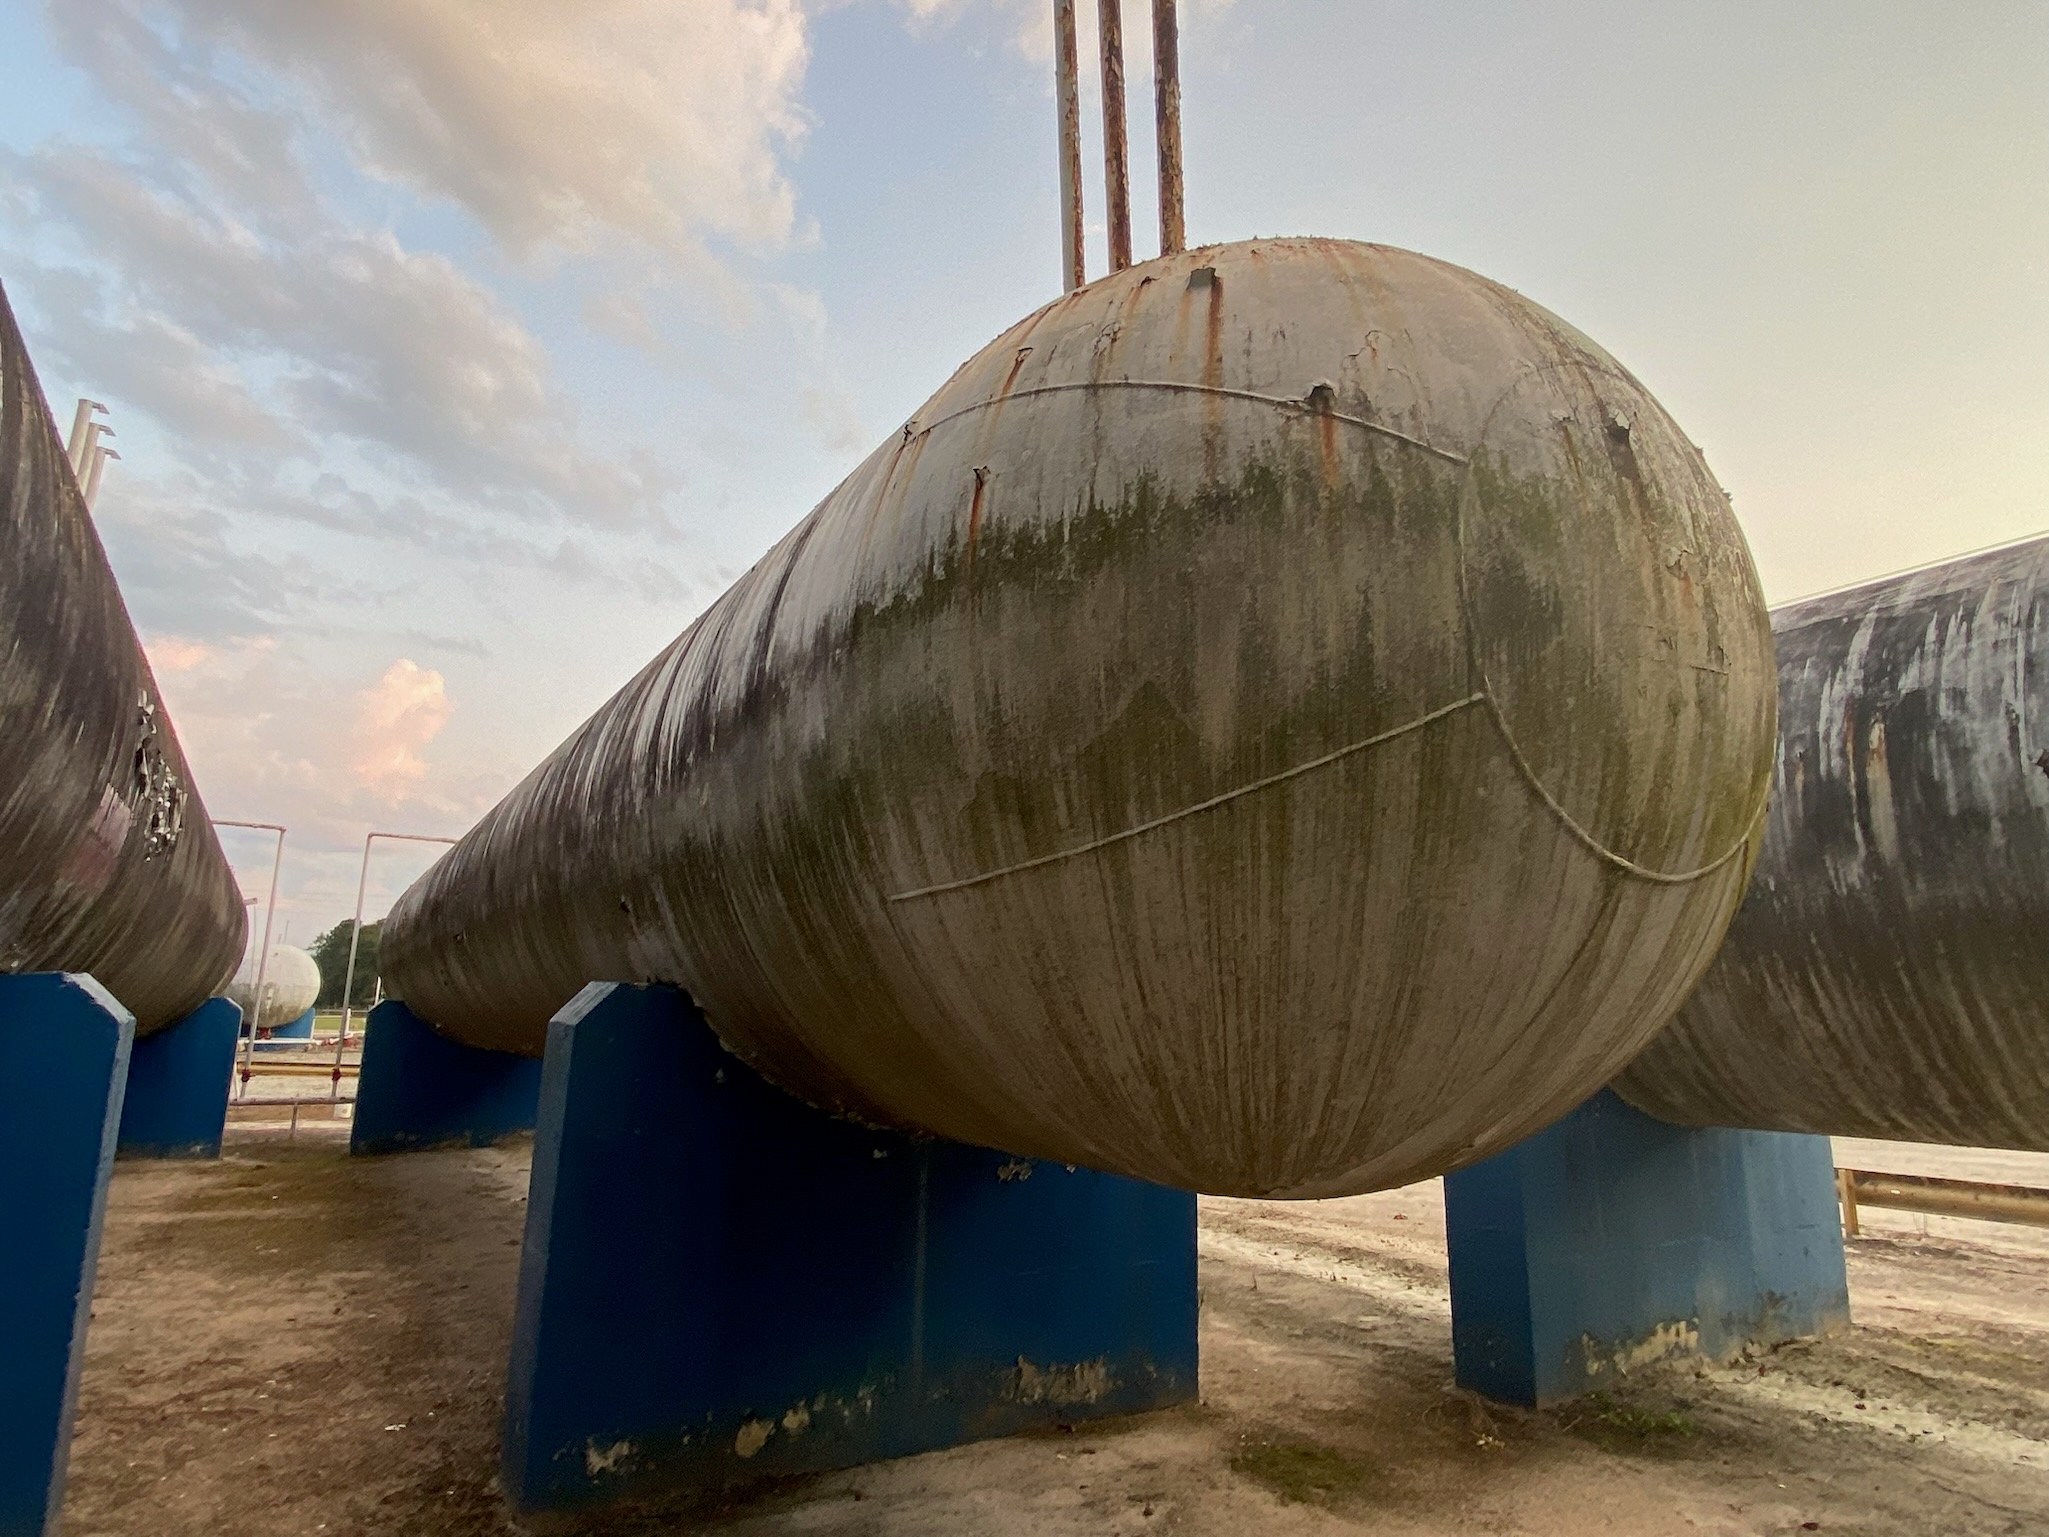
[[291, 981]]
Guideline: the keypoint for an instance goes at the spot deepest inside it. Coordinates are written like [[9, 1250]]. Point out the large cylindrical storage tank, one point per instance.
[[1285, 719], [291, 983], [1888, 975], [108, 864]]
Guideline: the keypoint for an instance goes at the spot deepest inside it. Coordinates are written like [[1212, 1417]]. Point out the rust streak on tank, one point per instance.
[[1016, 367], [1207, 282], [975, 514]]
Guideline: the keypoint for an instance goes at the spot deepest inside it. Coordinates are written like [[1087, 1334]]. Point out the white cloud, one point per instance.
[[215, 270], [834, 417], [258, 720], [309, 258], [191, 112], [364, 338], [183, 571], [176, 654], [147, 359], [396, 717], [557, 125]]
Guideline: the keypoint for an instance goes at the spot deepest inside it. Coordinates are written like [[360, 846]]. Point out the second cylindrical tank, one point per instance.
[[1888, 974], [108, 864], [1285, 719]]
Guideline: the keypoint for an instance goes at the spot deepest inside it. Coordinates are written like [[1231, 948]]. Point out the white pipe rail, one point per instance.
[[356, 936], [262, 955]]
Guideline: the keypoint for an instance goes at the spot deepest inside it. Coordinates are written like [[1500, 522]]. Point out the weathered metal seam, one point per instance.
[[1195, 810], [1280, 402], [1594, 845], [1529, 774], [1485, 696]]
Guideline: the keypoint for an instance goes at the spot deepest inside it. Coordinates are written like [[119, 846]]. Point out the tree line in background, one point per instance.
[[331, 953]]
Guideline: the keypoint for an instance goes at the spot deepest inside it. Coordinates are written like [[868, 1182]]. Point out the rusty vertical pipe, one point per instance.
[[1116, 149], [1167, 121], [1073, 255]]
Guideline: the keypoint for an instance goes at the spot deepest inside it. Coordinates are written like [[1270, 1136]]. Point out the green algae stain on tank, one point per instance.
[[1240, 760]]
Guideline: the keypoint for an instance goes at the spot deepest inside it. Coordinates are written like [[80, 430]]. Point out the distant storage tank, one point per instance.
[[107, 861], [1888, 975], [1285, 719], [291, 982]]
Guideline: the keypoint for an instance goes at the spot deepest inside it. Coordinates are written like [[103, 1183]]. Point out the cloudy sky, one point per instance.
[[461, 351]]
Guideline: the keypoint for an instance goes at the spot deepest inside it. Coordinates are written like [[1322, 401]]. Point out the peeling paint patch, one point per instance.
[[599, 1460], [1016, 1169], [796, 1421], [1681, 1336], [1079, 1382], [752, 1438]]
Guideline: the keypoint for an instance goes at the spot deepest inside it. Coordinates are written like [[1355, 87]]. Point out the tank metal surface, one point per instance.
[[1285, 719], [107, 862], [1887, 976], [291, 982]]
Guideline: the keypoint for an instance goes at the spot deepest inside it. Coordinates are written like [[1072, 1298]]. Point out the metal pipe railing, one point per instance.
[[263, 954], [1937, 1197], [356, 936]]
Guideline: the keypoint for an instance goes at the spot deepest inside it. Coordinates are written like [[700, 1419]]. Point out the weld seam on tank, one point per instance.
[[1523, 766], [1302, 406], [1586, 838], [1594, 845], [1297, 404], [1198, 808]]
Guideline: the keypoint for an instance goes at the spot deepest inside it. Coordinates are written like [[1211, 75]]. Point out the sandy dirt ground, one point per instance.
[[291, 1342]]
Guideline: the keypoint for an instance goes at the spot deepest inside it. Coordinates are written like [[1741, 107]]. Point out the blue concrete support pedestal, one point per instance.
[[719, 1281], [178, 1078], [298, 1029], [1612, 1239], [64, 1045], [289, 1035], [419, 1089]]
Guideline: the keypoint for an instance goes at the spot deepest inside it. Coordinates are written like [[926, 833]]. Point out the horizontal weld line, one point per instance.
[[1196, 810], [1178, 386]]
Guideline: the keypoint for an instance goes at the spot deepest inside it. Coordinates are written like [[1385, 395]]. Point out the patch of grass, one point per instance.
[[1301, 1471], [1626, 1427]]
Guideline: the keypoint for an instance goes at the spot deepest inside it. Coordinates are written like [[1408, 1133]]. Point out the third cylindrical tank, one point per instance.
[[1887, 975]]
